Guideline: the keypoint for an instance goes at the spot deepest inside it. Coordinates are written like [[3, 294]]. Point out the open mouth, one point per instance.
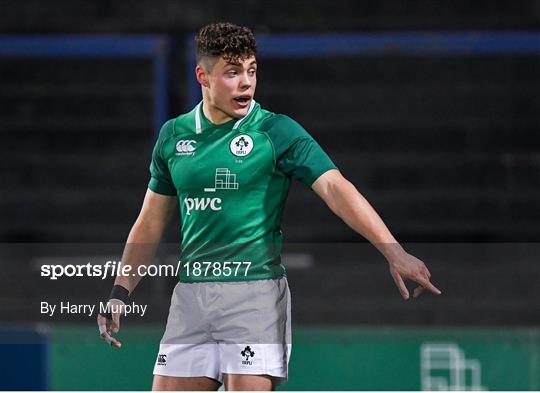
[[242, 100]]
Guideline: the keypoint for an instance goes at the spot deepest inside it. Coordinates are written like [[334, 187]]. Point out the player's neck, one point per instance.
[[215, 115]]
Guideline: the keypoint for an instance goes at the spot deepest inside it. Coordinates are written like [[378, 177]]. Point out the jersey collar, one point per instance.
[[198, 127]]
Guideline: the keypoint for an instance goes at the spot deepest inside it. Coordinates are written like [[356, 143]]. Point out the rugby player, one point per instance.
[[228, 164]]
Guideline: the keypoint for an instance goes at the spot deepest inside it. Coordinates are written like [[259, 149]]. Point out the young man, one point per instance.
[[228, 164]]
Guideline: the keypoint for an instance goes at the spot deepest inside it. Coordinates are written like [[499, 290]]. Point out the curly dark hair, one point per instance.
[[225, 40]]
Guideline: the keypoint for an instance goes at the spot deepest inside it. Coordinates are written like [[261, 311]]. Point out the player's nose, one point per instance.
[[245, 82]]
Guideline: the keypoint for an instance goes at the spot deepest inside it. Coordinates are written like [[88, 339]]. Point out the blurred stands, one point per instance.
[[179, 17], [446, 148], [77, 139]]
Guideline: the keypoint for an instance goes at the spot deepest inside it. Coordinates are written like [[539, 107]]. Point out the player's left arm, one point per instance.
[[346, 202]]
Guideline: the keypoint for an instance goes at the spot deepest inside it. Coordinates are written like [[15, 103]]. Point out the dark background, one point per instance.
[[447, 149]]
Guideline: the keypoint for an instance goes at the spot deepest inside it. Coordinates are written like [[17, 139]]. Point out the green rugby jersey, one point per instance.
[[232, 182]]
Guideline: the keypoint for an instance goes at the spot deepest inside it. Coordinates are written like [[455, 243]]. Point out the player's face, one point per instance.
[[231, 86]]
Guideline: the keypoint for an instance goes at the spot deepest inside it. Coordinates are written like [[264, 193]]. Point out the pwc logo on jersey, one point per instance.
[[202, 204], [185, 147], [223, 180], [241, 145]]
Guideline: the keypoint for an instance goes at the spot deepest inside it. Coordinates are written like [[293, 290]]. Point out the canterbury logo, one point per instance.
[[185, 146], [162, 360]]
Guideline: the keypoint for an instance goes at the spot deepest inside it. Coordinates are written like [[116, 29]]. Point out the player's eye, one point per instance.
[[252, 71], [232, 73]]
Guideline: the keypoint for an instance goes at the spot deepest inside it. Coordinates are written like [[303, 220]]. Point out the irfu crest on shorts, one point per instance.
[[247, 352]]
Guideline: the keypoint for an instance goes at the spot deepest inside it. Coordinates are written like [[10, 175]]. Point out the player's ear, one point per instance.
[[202, 76]]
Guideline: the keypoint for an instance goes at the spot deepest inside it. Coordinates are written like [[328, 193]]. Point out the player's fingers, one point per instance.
[[115, 325], [102, 329], [115, 343], [427, 272], [432, 288], [400, 284], [105, 336], [418, 291], [422, 278]]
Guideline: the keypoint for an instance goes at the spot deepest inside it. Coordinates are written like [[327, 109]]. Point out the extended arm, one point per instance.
[[346, 202]]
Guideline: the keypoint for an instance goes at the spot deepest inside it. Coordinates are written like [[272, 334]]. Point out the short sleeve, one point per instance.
[[160, 176], [298, 155]]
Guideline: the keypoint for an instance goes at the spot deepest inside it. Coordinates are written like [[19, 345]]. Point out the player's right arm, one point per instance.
[[143, 239]]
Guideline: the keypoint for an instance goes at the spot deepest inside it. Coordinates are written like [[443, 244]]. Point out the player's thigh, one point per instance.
[[248, 382], [162, 382]]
